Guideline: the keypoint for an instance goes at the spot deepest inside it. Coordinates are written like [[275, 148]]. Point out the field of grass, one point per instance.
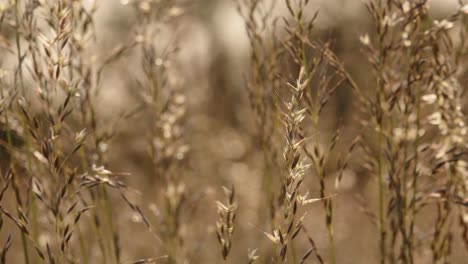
[[233, 131]]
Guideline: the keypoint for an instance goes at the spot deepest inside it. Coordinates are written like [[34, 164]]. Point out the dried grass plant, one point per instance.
[[62, 202]]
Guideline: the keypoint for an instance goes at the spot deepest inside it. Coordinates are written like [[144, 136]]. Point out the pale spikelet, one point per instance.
[[226, 221], [464, 9]]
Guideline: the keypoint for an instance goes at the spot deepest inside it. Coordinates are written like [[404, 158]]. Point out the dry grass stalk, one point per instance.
[[163, 97], [225, 225], [261, 84], [404, 58]]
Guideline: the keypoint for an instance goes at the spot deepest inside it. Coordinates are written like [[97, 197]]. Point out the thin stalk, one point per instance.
[[18, 45], [293, 252], [381, 202], [28, 140], [415, 172], [10, 144], [85, 165], [404, 191], [267, 185], [380, 171], [380, 95], [108, 213], [332, 241], [405, 247], [81, 241]]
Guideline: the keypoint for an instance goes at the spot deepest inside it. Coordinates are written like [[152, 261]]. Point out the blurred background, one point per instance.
[[214, 57], [213, 63]]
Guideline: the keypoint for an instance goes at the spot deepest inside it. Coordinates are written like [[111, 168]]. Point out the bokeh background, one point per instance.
[[224, 149], [214, 57]]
